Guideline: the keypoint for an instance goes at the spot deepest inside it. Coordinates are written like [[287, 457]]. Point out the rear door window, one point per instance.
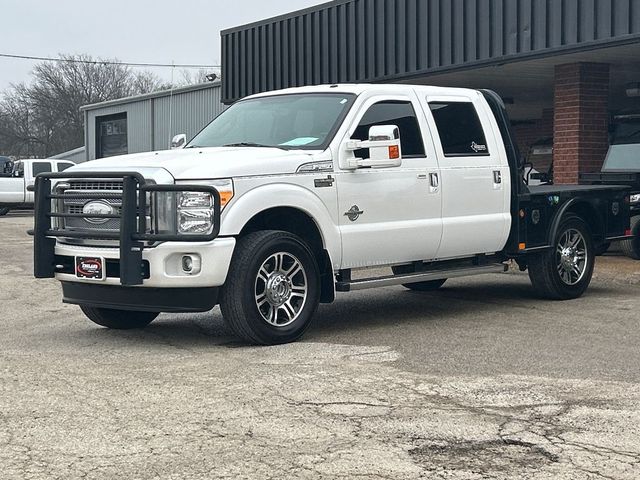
[[459, 128], [40, 167], [62, 166]]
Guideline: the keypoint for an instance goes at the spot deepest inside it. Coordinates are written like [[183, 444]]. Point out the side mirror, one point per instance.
[[384, 148], [179, 141]]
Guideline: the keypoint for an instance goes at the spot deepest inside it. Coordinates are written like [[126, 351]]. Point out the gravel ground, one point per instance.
[[478, 380]]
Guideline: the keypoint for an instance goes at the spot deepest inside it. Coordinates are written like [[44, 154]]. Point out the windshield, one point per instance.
[[624, 152], [622, 158], [299, 121]]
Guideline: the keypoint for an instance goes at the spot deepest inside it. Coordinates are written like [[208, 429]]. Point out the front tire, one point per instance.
[[631, 247], [4, 211], [565, 271], [272, 288], [118, 319]]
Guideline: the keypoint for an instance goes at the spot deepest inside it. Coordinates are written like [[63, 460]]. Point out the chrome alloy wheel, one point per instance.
[[571, 257], [281, 289]]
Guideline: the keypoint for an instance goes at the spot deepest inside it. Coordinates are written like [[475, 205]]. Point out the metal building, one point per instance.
[[552, 60], [77, 155], [148, 122]]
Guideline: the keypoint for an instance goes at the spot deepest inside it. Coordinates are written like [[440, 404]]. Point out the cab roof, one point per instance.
[[359, 88]]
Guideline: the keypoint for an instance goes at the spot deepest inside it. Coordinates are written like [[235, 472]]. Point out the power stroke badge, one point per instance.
[[353, 213]]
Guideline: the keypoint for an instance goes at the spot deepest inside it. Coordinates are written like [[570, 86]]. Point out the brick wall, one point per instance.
[[580, 120]]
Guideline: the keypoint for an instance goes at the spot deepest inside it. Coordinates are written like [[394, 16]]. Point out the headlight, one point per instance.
[[189, 213], [635, 198], [195, 200], [195, 213]]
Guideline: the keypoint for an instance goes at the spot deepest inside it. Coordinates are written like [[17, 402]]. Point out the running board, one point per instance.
[[390, 280]]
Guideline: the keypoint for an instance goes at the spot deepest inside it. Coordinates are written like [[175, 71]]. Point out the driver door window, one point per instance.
[[396, 113], [18, 170]]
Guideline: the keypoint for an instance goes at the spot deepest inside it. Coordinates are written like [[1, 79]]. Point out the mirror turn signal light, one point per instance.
[[394, 152]]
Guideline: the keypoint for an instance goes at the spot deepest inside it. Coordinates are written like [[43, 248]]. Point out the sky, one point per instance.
[[139, 31]]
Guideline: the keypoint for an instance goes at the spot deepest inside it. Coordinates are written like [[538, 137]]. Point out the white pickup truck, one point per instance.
[[274, 205], [15, 191]]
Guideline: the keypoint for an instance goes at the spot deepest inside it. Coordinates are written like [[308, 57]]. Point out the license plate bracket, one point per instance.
[[90, 268]]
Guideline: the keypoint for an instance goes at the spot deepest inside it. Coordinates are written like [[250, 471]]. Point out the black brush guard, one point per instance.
[[133, 227]]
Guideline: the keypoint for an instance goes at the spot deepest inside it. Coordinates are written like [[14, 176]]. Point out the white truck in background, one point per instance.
[[15, 191]]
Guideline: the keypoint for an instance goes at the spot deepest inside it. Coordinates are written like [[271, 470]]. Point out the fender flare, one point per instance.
[[557, 219], [278, 195]]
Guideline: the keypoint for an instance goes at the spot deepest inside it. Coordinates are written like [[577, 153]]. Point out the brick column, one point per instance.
[[581, 119]]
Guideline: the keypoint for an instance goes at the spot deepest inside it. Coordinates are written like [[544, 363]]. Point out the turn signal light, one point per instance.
[[394, 152], [225, 197], [522, 246]]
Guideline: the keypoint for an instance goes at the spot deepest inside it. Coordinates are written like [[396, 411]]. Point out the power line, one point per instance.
[[106, 62]]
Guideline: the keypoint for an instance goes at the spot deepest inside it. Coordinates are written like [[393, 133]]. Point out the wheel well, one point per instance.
[[299, 223], [592, 218]]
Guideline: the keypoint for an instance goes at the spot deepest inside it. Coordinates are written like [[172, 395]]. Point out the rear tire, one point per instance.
[[118, 319], [428, 286], [272, 288], [565, 271], [631, 247], [4, 211]]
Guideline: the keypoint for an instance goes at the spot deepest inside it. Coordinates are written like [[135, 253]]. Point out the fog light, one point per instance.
[[187, 264], [191, 264]]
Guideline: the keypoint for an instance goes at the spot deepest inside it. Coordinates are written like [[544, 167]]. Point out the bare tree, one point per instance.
[[43, 118]]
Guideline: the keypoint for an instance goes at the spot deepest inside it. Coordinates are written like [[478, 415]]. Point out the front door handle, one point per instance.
[[434, 182], [497, 177]]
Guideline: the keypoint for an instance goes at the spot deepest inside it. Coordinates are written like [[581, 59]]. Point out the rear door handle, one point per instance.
[[497, 177]]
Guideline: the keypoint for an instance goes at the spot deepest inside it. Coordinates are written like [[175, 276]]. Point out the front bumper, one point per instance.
[[164, 263], [141, 299]]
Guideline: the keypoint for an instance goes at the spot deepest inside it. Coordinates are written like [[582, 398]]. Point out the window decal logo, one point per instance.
[[478, 148]]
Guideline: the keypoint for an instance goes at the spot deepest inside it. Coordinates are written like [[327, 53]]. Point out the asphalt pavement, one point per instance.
[[477, 380]]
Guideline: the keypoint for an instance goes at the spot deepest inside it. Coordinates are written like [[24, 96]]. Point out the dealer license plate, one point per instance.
[[90, 268]]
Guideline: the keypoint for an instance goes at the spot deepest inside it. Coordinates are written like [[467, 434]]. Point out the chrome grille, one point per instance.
[[76, 204], [95, 185]]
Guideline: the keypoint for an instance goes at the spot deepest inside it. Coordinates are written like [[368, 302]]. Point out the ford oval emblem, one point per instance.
[[97, 208]]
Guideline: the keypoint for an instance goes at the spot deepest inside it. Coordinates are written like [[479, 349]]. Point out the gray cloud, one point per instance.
[[186, 31]]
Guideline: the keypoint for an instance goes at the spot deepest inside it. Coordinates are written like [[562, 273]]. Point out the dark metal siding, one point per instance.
[[374, 40]]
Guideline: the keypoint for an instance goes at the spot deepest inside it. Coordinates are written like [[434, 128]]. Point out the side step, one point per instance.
[[389, 280]]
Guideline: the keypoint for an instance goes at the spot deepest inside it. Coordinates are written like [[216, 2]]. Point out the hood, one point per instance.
[[206, 163]]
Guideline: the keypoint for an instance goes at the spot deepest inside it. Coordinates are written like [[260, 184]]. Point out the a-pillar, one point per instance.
[[580, 133]]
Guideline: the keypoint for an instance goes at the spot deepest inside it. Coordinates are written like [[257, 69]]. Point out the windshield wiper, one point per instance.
[[251, 144]]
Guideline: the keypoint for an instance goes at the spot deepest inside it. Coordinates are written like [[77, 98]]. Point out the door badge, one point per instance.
[[354, 213]]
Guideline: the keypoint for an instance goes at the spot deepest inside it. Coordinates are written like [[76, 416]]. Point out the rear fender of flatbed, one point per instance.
[[605, 209]]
